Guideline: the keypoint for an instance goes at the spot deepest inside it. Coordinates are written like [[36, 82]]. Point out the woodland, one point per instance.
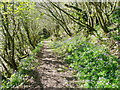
[[59, 45]]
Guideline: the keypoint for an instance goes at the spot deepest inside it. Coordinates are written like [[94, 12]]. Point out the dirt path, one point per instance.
[[53, 71]]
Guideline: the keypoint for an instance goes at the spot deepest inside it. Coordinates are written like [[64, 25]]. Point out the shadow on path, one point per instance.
[[35, 82], [52, 70]]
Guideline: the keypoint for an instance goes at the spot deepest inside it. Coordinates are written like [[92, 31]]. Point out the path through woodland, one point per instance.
[[52, 72]]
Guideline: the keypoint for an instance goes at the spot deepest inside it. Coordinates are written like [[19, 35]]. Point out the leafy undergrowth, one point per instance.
[[94, 63], [21, 77]]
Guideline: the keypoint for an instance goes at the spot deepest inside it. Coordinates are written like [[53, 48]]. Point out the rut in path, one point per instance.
[[52, 70]]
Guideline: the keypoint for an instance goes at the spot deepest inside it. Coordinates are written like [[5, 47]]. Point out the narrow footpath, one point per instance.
[[52, 72]]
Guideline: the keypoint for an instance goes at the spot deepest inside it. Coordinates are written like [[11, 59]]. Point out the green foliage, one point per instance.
[[29, 62], [20, 21], [16, 79], [93, 63], [116, 15], [26, 65], [38, 48]]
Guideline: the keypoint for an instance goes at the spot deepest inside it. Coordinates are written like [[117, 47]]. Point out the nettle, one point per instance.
[[94, 64]]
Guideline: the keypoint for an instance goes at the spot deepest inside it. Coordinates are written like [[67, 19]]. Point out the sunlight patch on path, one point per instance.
[[53, 71]]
